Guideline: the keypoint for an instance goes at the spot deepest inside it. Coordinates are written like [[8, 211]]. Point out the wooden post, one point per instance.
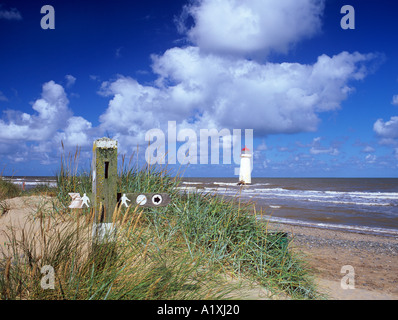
[[104, 186]]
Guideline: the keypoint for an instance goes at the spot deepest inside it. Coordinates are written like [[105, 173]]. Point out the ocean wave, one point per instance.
[[319, 193], [355, 198], [34, 183], [351, 198], [226, 183], [221, 190], [342, 227], [186, 189], [362, 194], [353, 202], [188, 182]]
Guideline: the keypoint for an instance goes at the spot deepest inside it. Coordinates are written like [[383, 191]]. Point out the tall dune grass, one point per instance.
[[182, 251], [8, 189], [143, 266]]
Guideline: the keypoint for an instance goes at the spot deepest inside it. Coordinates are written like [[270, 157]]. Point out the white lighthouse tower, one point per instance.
[[245, 166]]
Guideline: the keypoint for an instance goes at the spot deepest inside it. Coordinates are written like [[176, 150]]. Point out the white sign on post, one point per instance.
[[124, 200], [141, 199], [78, 202]]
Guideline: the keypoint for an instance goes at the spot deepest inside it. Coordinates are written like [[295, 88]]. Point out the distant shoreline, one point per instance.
[[192, 184]]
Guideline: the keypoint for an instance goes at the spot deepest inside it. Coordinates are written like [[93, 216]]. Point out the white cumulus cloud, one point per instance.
[[42, 131], [387, 131], [206, 90], [241, 27], [211, 83], [3, 97], [316, 148], [395, 100], [51, 112], [76, 133], [370, 158], [70, 80], [11, 14]]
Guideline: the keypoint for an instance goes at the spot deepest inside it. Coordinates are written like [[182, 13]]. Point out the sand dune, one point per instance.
[[374, 258]]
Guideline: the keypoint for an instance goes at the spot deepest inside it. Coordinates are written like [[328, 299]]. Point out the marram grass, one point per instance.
[[182, 251], [8, 189]]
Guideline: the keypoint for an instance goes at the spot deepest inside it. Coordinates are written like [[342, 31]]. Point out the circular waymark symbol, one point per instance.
[[157, 199], [141, 199]]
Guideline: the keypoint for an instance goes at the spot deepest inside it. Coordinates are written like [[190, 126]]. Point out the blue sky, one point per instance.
[[321, 101]]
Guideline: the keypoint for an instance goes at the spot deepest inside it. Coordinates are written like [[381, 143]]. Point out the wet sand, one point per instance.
[[374, 260]]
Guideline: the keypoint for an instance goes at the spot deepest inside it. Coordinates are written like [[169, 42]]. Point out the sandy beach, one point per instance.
[[374, 258]]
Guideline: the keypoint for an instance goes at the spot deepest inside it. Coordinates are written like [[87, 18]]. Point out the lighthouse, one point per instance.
[[245, 167]]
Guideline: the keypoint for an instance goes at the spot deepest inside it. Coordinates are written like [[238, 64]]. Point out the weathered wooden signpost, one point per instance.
[[104, 172], [104, 198]]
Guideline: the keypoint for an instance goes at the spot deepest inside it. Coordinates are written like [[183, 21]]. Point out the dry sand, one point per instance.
[[374, 258], [21, 221], [21, 212]]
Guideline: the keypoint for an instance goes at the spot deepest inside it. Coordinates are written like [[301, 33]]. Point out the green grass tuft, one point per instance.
[[8, 189], [182, 251]]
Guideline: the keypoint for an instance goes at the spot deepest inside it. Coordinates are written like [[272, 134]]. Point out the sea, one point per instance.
[[364, 205], [31, 182]]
